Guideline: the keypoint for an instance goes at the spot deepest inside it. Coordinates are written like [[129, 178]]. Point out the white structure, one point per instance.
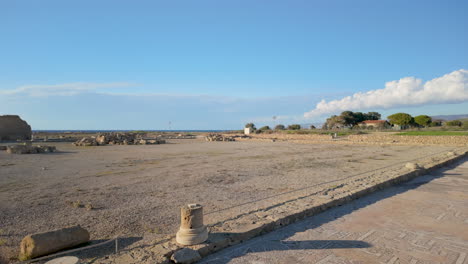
[[248, 130]]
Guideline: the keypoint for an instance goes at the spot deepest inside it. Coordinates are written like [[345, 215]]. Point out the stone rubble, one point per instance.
[[29, 149], [219, 137], [117, 139]]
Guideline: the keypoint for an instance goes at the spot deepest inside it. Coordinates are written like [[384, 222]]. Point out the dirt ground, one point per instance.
[[138, 190]]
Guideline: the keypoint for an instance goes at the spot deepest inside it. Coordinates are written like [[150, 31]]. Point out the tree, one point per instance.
[[349, 118], [453, 123], [465, 125], [312, 127], [294, 127], [401, 119], [372, 116], [280, 127], [264, 128], [251, 125], [334, 122], [423, 120]]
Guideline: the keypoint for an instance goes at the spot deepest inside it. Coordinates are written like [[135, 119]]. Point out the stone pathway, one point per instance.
[[422, 221]]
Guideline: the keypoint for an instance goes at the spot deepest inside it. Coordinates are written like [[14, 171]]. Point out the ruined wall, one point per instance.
[[12, 127]]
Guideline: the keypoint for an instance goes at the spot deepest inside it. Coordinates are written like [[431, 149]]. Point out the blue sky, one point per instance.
[[219, 64]]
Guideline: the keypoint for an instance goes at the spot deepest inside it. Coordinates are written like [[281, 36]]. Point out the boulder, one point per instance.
[[12, 127]]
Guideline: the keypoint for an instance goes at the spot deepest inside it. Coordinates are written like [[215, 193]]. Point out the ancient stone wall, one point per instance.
[[12, 127], [410, 140]]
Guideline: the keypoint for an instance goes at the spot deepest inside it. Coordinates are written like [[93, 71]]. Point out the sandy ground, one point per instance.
[[137, 190], [420, 221]]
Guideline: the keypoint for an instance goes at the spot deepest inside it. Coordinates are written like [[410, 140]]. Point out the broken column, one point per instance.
[[192, 231], [41, 244]]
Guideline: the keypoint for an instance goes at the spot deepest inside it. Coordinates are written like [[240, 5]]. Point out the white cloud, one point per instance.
[[408, 91], [66, 89]]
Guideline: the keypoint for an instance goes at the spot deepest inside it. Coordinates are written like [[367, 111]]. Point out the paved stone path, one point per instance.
[[422, 221]]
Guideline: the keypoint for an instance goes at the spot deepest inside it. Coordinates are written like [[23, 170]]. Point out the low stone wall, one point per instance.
[[260, 221], [410, 140], [290, 137], [364, 139]]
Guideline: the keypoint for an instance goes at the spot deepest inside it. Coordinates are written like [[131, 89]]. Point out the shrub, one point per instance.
[[312, 127], [465, 125], [251, 125], [280, 127], [294, 127], [453, 123], [265, 128]]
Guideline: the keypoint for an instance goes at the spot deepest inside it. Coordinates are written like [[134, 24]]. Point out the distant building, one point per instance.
[[248, 130], [376, 124]]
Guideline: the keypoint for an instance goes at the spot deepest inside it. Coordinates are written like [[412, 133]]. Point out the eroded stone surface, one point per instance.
[[186, 256], [421, 221]]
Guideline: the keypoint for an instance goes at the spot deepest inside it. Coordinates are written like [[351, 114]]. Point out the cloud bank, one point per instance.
[[66, 89], [408, 91]]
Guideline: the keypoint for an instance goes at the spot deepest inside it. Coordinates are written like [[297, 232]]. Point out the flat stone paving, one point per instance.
[[421, 221]]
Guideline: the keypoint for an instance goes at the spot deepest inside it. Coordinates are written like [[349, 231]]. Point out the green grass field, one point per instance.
[[434, 133]]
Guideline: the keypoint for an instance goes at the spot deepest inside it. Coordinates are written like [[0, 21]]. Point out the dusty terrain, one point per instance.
[[421, 221], [137, 190]]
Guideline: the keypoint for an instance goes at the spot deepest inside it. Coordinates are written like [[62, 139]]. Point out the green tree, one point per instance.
[[312, 127], [465, 125], [453, 123], [349, 118], [251, 125], [372, 116], [265, 128], [334, 122], [401, 119], [294, 127], [423, 120], [280, 127]]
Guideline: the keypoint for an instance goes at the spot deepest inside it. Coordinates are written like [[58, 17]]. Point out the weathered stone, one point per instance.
[[186, 256], [64, 260], [29, 149], [192, 231], [412, 166], [12, 127], [49, 242], [218, 137]]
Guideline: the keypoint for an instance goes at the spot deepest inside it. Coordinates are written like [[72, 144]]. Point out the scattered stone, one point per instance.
[[29, 149], [41, 244], [451, 154], [186, 256], [219, 137], [64, 260], [412, 166], [117, 139]]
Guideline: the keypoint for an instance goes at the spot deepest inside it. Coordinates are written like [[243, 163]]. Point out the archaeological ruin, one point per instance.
[[12, 127]]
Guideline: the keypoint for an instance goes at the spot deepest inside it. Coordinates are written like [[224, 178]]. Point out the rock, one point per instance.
[[218, 137], [116, 138], [29, 149], [12, 127], [186, 256], [49, 242], [412, 166], [64, 260]]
